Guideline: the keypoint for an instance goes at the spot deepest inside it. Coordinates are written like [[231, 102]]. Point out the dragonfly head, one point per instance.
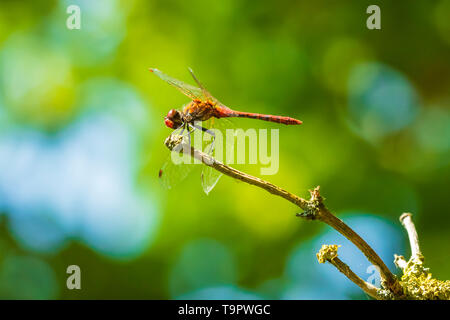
[[173, 120]]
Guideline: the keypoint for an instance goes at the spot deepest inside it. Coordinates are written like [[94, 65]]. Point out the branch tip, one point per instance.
[[408, 224], [404, 216], [327, 253]]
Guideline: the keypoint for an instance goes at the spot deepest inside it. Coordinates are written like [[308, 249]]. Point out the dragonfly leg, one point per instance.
[[189, 135], [210, 132]]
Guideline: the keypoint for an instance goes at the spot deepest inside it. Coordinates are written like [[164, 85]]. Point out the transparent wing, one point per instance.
[[177, 166], [171, 174], [217, 148], [205, 92], [188, 90], [221, 124], [225, 131], [210, 177]]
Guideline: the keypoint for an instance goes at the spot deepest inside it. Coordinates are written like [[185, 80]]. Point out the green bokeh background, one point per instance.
[[375, 137]]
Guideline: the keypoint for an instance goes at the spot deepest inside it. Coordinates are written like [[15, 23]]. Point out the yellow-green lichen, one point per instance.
[[418, 283], [327, 253]]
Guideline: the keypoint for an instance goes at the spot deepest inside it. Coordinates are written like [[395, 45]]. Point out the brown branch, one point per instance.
[[368, 288], [314, 209], [171, 143], [324, 215], [329, 253]]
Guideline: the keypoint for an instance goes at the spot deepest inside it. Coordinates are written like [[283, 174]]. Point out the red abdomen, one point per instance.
[[224, 112]]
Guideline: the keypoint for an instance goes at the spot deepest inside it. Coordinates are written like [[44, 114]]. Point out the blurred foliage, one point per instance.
[[81, 142]]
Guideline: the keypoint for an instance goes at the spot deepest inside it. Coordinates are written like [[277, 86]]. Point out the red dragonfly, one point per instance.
[[203, 107]]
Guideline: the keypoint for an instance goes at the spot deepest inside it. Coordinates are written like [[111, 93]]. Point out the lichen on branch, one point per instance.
[[417, 281], [327, 253]]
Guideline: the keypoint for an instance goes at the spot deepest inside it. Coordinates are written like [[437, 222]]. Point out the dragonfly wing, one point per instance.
[[177, 165], [210, 177], [225, 131], [221, 124], [188, 90], [205, 92], [171, 174], [216, 149]]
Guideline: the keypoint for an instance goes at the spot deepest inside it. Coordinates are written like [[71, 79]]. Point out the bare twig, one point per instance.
[[368, 288], [406, 220], [314, 209], [326, 216], [329, 253]]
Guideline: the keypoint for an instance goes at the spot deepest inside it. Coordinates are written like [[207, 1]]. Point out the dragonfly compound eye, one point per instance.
[[173, 119], [168, 123], [172, 114]]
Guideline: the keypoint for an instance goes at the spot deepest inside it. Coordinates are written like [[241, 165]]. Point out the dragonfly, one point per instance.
[[202, 108]]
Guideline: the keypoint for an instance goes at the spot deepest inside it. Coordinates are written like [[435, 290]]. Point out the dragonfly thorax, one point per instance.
[[198, 110]]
